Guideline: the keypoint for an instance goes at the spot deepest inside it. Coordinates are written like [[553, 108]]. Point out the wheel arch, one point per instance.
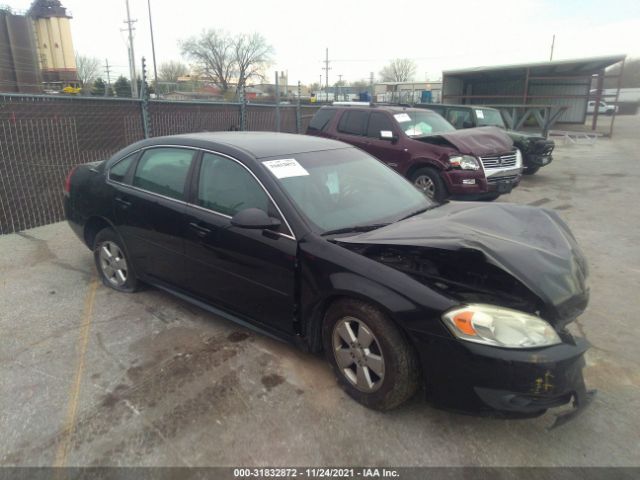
[[424, 163], [91, 228], [385, 300]]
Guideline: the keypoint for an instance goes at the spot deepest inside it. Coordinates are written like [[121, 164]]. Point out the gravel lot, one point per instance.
[[90, 376]]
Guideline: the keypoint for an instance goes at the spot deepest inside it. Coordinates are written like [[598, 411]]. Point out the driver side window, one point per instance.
[[460, 118], [227, 187]]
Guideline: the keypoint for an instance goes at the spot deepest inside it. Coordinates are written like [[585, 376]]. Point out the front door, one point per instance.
[[388, 151], [248, 272]]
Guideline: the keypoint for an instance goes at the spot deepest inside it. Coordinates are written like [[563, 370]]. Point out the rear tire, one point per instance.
[[372, 359], [428, 180], [114, 267]]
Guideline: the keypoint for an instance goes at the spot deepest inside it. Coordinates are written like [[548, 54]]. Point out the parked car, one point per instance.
[[317, 242], [603, 108], [536, 149], [481, 164]]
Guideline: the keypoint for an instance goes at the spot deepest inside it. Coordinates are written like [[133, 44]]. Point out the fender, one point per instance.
[[323, 281]]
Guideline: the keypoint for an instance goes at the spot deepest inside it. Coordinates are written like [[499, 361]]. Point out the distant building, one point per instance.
[[54, 43], [408, 92], [269, 89], [36, 49], [19, 67]]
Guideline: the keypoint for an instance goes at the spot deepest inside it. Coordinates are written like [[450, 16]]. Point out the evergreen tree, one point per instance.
[[122, 87]]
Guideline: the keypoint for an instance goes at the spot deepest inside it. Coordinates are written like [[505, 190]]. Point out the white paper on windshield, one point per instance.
[[479, 114], [402, 117], [285, 168]]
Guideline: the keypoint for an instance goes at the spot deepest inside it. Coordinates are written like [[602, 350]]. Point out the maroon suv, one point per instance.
[[474, 164]]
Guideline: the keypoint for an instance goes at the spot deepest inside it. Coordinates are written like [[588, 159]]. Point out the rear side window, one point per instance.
[[353, 122], [321, 119], [119, 171], [378, 122], [164, 171]]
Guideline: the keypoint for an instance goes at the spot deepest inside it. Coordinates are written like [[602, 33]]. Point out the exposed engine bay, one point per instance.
[[463, 274]]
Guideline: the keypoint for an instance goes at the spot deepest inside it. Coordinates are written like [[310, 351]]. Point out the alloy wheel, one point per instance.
[[113, 264], [424, 183], [358, 354]]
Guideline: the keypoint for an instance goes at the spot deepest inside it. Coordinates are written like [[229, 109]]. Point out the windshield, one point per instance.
[[420, 124], [345, 188], [489, 118]]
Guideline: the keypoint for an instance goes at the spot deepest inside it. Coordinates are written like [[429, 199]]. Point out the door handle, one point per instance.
[[123, 203], [200, 231]]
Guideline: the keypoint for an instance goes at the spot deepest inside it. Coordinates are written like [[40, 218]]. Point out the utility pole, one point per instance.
[[553, 42], [339, 85], [371, 86], [108, 72], [320, 87], [153, 51], [326, 72], [132, 56]]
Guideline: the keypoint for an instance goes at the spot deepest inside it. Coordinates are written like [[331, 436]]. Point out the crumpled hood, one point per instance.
[[479, 141], [532, 244]]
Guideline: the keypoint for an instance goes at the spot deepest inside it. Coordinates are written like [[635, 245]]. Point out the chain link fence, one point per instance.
[[43, 137]]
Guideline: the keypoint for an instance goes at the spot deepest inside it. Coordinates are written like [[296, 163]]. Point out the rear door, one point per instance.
[[149, 212], [352, 127], [246, 271]]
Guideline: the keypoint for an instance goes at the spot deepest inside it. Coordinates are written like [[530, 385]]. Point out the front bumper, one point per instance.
[[478, 378], [539, 154]]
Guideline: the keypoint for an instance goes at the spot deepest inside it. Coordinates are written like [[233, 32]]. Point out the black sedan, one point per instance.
[[317, 242]]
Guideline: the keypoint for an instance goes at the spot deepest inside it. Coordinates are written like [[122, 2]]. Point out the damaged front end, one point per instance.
[[520, 264]]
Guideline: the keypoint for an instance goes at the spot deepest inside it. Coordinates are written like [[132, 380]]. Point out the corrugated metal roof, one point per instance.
[[582, 66]]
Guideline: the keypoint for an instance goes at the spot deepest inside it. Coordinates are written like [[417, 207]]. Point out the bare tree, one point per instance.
[[360, 85], [88, 69], [399, 70], [226, 59], [213, 53], [171, 71], [252, 55]]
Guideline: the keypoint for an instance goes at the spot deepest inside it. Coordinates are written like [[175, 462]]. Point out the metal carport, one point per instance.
[[561, 88]]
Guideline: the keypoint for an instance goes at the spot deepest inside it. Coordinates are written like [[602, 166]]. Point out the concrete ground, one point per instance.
[[89, 376]]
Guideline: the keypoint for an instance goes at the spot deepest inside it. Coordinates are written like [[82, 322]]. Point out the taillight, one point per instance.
[[67, 181]]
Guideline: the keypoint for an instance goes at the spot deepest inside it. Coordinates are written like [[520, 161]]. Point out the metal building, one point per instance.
[[19, 69], [561, 87]]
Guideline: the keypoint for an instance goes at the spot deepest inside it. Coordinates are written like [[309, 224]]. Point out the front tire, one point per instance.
[[428, 181], [373, 361], [112, 263]]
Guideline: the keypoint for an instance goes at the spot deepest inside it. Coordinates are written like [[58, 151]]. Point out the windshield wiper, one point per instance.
[[355, 228]]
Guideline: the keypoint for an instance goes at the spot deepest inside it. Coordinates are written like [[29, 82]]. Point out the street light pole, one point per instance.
[[153, 50]]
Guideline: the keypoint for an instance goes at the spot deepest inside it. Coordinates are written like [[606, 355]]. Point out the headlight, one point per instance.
[[500, 327], [518, 158], [466, 162]]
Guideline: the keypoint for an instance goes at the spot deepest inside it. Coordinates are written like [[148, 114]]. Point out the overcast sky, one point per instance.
[[363, 35]]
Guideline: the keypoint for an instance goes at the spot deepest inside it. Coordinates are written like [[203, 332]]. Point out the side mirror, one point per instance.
[[387, 135], [254, 218]]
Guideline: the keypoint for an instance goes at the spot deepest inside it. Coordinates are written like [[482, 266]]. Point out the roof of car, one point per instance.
[[389, 108], [452, 105], [256, 144]]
